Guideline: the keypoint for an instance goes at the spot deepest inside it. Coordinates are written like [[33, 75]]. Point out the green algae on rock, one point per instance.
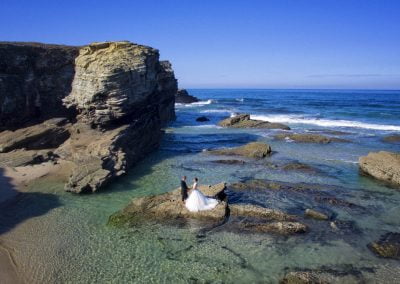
[[250, 150]]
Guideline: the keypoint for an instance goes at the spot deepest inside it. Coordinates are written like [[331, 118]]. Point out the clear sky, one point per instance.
[[256, 44]]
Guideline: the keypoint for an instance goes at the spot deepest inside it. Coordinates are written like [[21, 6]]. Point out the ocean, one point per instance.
[[69, 241]]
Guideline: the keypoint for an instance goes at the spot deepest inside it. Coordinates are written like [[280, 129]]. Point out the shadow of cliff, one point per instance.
[[172, 146], [16, 207]]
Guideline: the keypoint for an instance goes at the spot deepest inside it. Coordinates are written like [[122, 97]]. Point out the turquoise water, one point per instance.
[[69, 242]]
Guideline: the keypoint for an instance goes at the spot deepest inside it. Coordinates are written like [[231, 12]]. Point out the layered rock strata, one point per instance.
[[122, 96]]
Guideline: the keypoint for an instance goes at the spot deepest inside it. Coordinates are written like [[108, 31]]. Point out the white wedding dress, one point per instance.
[[197, 201]]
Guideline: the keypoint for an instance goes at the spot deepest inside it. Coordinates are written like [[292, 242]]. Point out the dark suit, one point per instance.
[[184, 190]]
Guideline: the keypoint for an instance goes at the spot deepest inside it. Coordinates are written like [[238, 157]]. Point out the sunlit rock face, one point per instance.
[[119, 81]]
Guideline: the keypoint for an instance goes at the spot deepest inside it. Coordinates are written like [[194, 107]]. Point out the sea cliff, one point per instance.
[[95, 110]]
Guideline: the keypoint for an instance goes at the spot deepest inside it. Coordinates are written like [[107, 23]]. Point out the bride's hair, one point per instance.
[[196, 179]]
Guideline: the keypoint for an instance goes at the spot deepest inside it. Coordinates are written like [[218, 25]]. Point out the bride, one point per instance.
[[197, 201]]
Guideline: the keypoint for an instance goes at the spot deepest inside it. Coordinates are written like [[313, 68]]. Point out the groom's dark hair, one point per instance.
[[183, 177]]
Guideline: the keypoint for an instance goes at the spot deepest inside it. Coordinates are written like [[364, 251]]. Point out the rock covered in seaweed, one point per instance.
[[382, 165], [244, 121], [387, 246]]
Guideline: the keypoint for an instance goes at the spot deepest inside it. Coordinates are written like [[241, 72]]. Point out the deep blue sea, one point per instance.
[[72, 243]]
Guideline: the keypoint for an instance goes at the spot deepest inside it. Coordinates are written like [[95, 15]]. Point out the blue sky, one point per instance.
[[259, 44]]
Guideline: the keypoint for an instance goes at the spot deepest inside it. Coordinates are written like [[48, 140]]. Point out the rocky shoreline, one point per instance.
[[116, 97]]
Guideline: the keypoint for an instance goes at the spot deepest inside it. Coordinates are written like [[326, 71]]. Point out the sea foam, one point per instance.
[[298, 119]]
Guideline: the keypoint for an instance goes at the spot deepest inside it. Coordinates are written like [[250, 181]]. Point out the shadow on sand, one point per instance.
[[16, 207]]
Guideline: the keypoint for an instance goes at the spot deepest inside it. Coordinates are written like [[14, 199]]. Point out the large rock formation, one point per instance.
[[122, 95], [183, 97], [382, 165], [244, 121], [34, 78]]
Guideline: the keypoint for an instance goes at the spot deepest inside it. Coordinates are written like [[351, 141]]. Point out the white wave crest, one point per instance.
[[298, 119], [196, 104]]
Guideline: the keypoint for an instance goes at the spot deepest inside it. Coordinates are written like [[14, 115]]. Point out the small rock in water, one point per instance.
[[395, 138], [316, 214], [202, 119], [387, 246]]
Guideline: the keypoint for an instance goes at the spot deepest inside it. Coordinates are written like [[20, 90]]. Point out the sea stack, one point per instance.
[[115, 97]]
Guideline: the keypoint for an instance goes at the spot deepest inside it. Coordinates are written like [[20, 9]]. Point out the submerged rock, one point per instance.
[[302, 277], [395, 138], [316, 214], [387, 246], [308, 138], [202, 119], [281, 228], [300, 167], [182, 96], [382, 165], [251, 150], [230, 162], [244, 121], [249, 210]]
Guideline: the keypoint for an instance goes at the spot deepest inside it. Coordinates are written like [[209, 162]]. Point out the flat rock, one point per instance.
[[46, 135], [308, 138], [387, 246], [182, 97], [251, 150], [18, 158], [167, 207], [244, 121], [382, 165], [249, 210]]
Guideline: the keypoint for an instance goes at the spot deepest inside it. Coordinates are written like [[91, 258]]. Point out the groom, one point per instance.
[[184, 189]]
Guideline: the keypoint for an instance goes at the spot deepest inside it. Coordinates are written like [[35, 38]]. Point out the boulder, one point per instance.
[[311, 213], [250, 150], [308, 138], [202, 119], [387, 246], [244, 121], [382, 165], [395, 138], [182, 97]]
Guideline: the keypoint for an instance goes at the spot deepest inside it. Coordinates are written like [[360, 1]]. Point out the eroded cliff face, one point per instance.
[[122, 95], [34, 78]]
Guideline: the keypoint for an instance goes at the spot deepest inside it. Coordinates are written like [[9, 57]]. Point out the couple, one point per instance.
[[196, 201]]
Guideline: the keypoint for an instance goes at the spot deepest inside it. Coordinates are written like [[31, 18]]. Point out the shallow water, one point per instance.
[[58, 237]]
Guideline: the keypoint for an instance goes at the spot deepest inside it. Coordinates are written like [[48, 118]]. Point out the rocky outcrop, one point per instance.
[[387, 246], [395, 139], [251, 150], [182, 97], [382, 165], [308, 138], [34, 78], [244, 121], [169, 208], [122, 95]]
